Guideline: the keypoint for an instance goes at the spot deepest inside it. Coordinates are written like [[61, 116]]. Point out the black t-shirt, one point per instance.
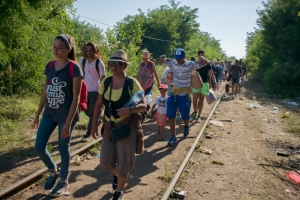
[[203, 71], [59, 91]]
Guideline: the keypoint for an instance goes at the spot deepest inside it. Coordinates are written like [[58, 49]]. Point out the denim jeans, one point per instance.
[[92, 98], [46, 128]]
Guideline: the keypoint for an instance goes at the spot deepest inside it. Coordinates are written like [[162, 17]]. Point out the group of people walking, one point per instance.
[[121, 125]]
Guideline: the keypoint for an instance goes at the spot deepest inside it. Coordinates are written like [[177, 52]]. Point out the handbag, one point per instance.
[[120, 132]]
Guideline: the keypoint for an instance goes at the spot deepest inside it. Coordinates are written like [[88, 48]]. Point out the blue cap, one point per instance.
[[179, 54]]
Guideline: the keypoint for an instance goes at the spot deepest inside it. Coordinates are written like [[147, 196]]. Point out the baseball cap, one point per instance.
[[163, 86], [179, 54]]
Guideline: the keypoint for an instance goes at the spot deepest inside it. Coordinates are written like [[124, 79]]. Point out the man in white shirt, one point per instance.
[[181, 92], [94, 72]]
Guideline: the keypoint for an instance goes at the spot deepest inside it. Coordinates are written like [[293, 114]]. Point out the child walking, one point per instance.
[[161, 114]]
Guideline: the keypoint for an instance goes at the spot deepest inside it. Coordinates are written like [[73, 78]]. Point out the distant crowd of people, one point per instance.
[[63, 96]]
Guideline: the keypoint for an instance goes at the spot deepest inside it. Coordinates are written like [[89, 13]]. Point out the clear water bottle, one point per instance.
[[148, 98], [135, 99]]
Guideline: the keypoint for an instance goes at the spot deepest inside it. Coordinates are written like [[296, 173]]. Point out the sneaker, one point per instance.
[[186, 131], [194, 115], [118, 195], [172, 141], [86, 138], [198, 119], [60, 188], [51, 180], [115, 182], [178, 117]]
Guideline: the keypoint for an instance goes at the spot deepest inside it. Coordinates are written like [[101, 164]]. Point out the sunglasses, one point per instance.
[[115, 63]]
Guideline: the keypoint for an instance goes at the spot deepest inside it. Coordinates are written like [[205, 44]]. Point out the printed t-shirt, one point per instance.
[[161, 103], [59, 91], [91, 76], [182, 75], [116, 95], [235, 71], [203, 71]]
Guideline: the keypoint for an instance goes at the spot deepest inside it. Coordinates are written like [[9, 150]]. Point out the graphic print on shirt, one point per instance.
[[55, 94], [162, 103]]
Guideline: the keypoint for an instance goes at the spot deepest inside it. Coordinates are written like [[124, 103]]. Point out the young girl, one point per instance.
[[161, 114], [60, 100]]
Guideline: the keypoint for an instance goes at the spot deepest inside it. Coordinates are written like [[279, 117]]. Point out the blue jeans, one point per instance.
[[46, 128]]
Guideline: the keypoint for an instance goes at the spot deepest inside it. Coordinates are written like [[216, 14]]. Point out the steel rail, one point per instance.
[[29, 179], [186, 159]]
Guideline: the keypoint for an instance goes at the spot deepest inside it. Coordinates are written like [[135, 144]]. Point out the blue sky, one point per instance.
[[226, 20]]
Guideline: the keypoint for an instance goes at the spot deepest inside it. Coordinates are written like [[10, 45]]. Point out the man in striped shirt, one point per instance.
[[181, 91]]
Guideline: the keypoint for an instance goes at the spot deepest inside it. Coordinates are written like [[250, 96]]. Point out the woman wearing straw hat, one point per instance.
[[118, 157], [146, 72]]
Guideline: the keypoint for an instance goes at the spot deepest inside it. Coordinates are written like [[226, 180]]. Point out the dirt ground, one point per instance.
[[250, 136]]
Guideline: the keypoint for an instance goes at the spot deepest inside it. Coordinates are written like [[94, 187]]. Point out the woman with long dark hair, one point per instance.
[[60, 101]]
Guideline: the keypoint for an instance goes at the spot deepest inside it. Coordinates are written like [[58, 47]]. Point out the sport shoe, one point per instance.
[[198, 119], [115, 182], [186, 131], [172, 141], [118, 195], [86, 138], [178, 117], [60, 188], [51, 180], [194, 115]]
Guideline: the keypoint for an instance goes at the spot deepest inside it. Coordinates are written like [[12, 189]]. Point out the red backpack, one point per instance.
[[83, 92]]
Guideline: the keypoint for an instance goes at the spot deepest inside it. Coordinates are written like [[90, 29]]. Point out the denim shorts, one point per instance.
[[181, 102], [235, 81]]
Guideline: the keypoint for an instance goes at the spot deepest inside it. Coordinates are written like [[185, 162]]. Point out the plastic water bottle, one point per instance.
[[148, 98], [135, 99]]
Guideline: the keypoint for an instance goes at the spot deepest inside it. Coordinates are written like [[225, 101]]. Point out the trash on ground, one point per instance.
[[255, 105], [179, 194], [97, 155], [290, 103], [88, 156], [283, 153], [216, 123], [275, 110], [205, 150], [294, 176]]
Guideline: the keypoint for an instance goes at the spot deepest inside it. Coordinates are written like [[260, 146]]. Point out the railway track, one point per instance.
[[24, 183]]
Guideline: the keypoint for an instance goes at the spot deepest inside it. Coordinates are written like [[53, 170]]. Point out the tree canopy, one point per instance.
[[273, 49]]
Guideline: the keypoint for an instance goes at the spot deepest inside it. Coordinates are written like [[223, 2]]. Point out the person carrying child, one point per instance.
[[161, 114]]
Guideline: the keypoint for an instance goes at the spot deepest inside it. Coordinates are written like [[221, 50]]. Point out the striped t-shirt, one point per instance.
[[182, 75]]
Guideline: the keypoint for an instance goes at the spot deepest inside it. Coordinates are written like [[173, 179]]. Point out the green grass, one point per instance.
[[292, 121], [166, 177], [16, 120]]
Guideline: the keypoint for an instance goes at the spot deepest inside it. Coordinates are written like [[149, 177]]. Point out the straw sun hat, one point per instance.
[[119, 55]]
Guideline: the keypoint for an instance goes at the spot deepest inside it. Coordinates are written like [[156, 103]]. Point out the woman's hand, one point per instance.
[[65, 132], [36, 122], [123, 112], [94, 131]]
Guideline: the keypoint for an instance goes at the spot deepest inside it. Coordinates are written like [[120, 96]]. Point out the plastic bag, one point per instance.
[[167, 76], [148, 98], [211, 97], [294, 176]]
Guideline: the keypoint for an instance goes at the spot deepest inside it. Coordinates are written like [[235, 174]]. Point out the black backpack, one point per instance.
[[107, 82], [97, 65]]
